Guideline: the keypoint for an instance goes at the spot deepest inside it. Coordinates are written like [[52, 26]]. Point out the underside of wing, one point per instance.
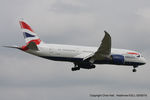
[[103, 51]]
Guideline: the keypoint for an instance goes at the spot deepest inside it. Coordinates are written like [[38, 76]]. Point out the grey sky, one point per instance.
[[75, 22]]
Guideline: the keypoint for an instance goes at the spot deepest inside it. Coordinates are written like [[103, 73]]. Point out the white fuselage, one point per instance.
[[78, 53]]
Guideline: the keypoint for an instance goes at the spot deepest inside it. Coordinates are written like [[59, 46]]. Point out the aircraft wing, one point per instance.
[[103, 51]]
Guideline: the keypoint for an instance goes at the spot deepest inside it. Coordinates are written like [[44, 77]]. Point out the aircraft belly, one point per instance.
[[56, 58], [130, 63], [74, 57]]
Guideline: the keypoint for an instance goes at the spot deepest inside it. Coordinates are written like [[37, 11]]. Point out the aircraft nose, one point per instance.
[[143, 61]]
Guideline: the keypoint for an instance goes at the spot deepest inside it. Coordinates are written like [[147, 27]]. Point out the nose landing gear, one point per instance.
[[134, 70]]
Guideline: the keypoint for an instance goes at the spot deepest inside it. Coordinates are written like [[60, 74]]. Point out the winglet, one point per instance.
[[108, 35]]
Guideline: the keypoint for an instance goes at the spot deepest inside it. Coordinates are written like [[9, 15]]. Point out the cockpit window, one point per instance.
[[138, 56]]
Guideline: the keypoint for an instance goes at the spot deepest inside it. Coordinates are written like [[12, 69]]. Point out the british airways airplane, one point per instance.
[[81, 56]]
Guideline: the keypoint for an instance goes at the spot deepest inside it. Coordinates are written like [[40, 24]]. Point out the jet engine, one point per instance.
[[117, 59]]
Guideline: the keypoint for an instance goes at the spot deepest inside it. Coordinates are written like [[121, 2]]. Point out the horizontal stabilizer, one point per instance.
[[16, 47]]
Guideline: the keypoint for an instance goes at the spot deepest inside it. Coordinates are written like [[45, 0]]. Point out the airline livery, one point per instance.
[[81, 56]]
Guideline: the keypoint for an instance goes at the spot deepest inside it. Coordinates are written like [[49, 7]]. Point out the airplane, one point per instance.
[[82, 56]]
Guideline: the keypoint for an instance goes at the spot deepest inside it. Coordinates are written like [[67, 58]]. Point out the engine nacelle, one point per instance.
[[117, 59]]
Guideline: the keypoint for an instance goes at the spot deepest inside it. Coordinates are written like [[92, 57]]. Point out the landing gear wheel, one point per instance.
[[78, 68], [75, 68], [93, 66], [134, 70]]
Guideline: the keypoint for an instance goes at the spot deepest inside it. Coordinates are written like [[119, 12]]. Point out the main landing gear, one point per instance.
[[134, 70], [75, 68]]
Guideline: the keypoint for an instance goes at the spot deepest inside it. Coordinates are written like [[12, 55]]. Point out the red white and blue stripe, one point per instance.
[[29, 34]]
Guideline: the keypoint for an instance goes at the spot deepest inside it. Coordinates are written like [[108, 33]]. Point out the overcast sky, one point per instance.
[[75, 22]]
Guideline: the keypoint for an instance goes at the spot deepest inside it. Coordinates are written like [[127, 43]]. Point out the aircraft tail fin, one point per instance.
[[28, 33], [32, 46]]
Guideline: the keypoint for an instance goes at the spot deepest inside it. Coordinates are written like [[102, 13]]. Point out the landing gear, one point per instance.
[[93, 66], [134, 70], [75, 68]]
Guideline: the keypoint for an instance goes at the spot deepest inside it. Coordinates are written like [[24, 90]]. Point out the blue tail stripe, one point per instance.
[[26, 35]]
